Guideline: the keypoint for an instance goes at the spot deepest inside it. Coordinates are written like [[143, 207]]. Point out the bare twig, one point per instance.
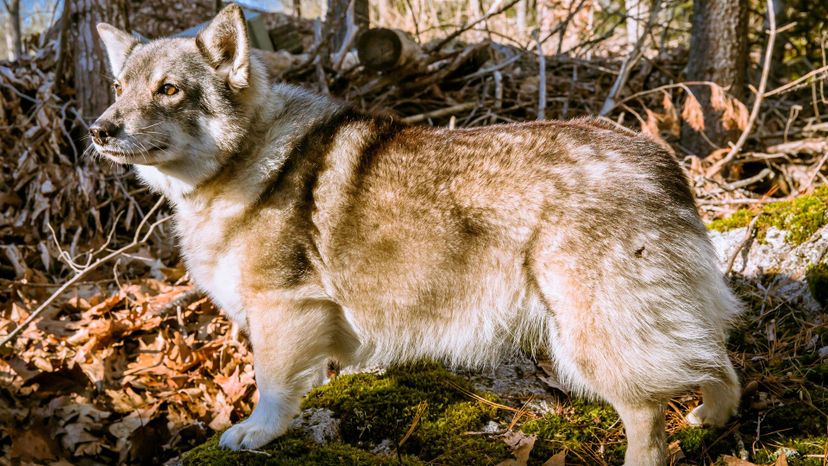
[[751, 230], [766, 172], [815, 173], [136, 240], [351, 33], [320, 70], [787, 87]]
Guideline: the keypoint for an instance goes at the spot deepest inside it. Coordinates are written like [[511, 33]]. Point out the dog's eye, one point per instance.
[[117, 88], [168, 89]]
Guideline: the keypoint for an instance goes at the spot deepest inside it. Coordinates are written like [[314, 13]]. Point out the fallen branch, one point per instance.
[[136, 240], [440, 112]]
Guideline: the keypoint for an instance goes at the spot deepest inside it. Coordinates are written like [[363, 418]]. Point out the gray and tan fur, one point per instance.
[[327, 233]]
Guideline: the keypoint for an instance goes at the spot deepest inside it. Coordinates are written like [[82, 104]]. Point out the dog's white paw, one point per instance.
[[703, 416], [249, 435]]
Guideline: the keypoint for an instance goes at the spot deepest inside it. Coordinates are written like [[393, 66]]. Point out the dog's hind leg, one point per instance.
[[720, 400], [645, 428]]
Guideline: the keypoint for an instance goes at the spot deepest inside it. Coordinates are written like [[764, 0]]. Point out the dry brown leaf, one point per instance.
[[670, 119], [718, 99], [223, 410], [692, 112], [35, 443], [736, 115], [235, 386], [558, 459], [551, 377], [650, 128], [521, 445], [734, 461], [781, 460]]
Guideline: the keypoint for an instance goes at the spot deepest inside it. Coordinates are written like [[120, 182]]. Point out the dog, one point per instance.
[[325, 233]]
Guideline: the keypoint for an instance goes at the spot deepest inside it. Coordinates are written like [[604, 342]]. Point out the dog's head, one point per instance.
[[179, 103]]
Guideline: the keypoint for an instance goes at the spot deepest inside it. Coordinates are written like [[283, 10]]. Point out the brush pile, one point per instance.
[[129, 364]]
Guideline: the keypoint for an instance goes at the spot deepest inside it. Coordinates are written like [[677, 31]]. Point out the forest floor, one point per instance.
[[146, 372]]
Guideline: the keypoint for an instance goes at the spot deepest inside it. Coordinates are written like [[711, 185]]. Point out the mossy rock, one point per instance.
[[799, 218], [379, 409]]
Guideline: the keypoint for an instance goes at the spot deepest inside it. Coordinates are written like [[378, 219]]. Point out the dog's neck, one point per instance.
[[276, 122]]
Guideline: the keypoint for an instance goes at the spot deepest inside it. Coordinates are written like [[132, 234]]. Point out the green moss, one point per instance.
[[695, 440], [373, 408], [575, 428], [817, 277], [739, 219], [289, 451], [807, 451], [800, 217]]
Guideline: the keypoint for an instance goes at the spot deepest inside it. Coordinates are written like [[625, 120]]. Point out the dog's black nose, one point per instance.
[[103, 130]]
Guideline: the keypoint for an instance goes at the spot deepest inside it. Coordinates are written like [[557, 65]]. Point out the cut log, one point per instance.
[[382, 49]]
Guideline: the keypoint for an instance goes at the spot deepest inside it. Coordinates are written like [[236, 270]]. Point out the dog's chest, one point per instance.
[[214, 265]]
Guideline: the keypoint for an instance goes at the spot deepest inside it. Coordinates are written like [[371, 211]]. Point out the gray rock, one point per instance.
[[318, 424], [788, 264]]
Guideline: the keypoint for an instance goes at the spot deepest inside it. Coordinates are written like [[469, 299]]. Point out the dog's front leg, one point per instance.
[[291, 340]]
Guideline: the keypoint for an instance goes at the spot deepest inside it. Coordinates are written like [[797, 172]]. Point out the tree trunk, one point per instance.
[[93, 81], [718, 53], [521, 17], [14, 39], [636, 19]]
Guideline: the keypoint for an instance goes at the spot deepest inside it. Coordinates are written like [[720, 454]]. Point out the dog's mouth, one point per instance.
[[144, 156]]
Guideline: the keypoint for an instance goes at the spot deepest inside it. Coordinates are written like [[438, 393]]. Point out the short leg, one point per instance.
[[291, 341], [644, 426], [720, 401]]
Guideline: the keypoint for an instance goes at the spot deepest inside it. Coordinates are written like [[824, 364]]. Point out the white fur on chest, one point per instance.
[[220, 277], [216, 267]]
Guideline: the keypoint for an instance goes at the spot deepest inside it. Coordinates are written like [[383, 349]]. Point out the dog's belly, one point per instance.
[[479, 319]]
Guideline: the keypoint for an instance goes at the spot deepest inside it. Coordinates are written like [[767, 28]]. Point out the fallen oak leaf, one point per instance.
[[34, 443], [734, 461], [221, 418], [558, 459], [521, 445]]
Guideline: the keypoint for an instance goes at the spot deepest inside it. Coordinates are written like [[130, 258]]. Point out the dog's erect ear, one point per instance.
[[118, 44], [225, 45]]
